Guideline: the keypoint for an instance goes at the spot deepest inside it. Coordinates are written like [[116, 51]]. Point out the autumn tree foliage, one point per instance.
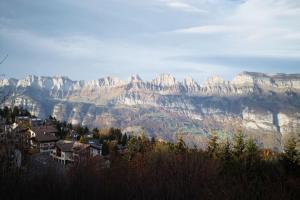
[[152, 169]]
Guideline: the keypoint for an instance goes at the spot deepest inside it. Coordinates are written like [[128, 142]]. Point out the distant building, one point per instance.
[[22, 119], [70, 151], [50, 122], [12, 133], [32, 121], [36, 122], [74, 135]]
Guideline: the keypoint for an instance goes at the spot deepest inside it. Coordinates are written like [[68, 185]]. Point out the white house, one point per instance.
[[95, 150]]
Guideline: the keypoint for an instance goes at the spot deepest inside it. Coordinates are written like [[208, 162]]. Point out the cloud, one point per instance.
[[253, 26], [67, 46], [255, 62], [180, 5], [210, 29], [134, 36]]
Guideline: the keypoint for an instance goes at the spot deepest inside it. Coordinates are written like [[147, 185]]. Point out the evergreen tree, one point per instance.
[[79, 129], [143, 142], [82, 140], [1, 113], [143, 136], [132, 147], [15, 112], [213, 146], [291, 153], [180, 146], [95, 133], [118, 135], [124, 139], [7, 114], [238, 145], [24, 112], [225, 151], [251, 152], [113, 147], [105, 148], [69, 126], [86, 130], [153, 140]]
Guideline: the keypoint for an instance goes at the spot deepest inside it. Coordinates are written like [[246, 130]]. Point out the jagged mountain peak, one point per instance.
[[243, 83], [8, 81], [164, 80], [135, 78], [165, 100], [244, 78], [215, 80], [189, 81], [111, 81], [27, 81], [259, 75]]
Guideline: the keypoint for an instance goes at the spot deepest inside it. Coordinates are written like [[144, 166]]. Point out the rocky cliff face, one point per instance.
[[267, 106]]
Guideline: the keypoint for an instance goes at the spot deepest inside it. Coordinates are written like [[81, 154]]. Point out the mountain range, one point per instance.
[[265, 106]]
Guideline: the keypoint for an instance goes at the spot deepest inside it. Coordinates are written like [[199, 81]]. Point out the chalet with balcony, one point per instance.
[[66, 151], [43, 138]]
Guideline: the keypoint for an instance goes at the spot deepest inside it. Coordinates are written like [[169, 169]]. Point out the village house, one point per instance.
[[22, 120], [95, 150], [50, 122], [35, 122], [17, 133], [43, 138], [66, 151], [11, 132]]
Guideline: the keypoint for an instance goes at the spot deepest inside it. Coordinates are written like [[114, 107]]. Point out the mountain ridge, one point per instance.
[[161, 79], [265, 105]]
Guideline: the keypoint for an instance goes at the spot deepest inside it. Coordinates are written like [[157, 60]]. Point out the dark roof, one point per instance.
[[22, 118], [45, 133], [64, 145], [44, 129], [71, 146], [45, 138]]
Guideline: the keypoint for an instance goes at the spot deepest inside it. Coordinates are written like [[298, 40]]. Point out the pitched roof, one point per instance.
[[44, 137], [71, 146], [65, 145], [45, 133], [44, 129]]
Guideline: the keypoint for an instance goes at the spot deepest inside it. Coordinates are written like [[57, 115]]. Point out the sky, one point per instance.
[[91, 39]]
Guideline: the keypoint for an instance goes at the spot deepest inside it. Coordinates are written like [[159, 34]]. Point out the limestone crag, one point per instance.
[[256, 102]]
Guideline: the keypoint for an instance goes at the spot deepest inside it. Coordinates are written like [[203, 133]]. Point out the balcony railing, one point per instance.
[[53, 155]]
